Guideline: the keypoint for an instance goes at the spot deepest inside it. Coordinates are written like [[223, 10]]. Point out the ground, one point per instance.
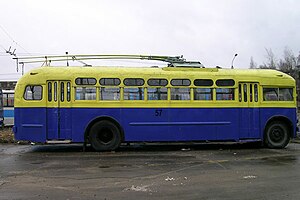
[[195, 171]]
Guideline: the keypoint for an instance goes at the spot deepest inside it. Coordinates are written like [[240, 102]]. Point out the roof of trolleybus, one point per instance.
[[263, 76]]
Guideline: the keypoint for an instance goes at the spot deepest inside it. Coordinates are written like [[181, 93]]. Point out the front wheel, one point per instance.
[[105, 136], [277, 135]]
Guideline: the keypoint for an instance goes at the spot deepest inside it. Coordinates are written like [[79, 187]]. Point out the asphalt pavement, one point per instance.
[[215, 171]]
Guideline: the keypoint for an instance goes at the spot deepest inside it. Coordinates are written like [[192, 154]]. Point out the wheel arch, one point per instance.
[[101, 118], [280, 118]]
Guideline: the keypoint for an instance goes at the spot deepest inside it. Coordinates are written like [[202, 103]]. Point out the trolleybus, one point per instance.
[[181, 102], [8, 107]]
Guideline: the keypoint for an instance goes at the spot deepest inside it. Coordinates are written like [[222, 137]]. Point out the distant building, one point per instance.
[[8, 85]]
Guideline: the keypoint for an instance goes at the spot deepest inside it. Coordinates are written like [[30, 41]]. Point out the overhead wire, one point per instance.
[[12, 39], [2, 47], [9, 74]]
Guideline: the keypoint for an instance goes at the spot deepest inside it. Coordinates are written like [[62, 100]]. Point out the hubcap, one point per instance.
[[105, 135], [277, 134]]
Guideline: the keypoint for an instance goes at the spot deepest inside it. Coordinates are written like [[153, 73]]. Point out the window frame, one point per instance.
[[228, 88], [277, 92], [84, 93], [159, 82], [111, 87], [211, 93], [136, 82], [33, 99], [159, 94], [141, 97], [178, 88], [87, 79], [182, 82], [114, 81], [225, 82], [203, 81]]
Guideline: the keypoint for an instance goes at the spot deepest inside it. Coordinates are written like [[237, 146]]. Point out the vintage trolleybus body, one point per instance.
[[106, 106], [8, 107]]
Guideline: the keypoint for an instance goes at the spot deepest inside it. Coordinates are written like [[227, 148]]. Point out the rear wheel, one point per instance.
[[105, 136], [277, 135]]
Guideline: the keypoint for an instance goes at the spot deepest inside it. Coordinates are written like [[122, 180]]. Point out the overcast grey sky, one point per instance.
[[210, 31]]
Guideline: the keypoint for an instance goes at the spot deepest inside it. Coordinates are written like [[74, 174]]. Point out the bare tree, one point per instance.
[[298, 60], [271, 60], [289, 61], [253, 64]]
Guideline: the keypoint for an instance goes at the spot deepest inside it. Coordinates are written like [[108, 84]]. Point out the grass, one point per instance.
[[6, 135]]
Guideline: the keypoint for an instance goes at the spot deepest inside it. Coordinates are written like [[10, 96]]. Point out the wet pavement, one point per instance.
[[150, 172]]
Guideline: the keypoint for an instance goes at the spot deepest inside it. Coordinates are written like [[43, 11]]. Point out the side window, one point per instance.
[[225, 82], [134, 93], [158, 91], [85, 93], [33, 92], [109, 93], [203, 82], [85, 81], [134, 81], [285, 94], [225, 93], [110, 81], [157, 82], [278, 94], [180, 93], [203, 93], [270, 94], [180, 82]]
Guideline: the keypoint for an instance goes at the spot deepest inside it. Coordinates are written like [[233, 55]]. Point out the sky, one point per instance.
[[209, 31]]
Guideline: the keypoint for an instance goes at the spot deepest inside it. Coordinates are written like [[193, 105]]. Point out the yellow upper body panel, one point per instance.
[[40, 76]]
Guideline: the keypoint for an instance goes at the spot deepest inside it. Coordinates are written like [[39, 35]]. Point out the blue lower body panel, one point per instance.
[[149, 124]]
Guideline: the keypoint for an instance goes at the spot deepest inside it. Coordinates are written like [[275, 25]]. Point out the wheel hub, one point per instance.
[[105, 136], [277, 134]]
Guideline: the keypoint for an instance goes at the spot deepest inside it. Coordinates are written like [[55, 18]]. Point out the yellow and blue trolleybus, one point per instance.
[[107, 106]]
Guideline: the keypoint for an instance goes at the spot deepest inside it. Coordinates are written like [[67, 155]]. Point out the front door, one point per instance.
[[249, 111], [59, 110]]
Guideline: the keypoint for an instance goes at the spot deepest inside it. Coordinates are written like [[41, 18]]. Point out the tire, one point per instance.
[[277, 135], [105, 136]]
